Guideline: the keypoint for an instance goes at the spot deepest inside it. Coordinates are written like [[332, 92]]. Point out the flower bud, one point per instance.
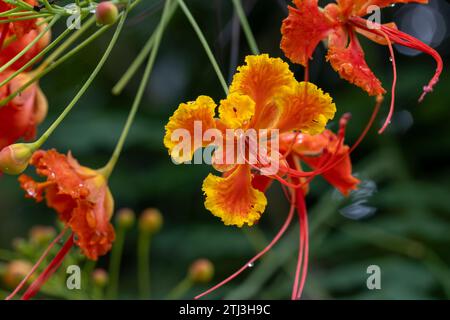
[[100, 277], [14, 158], [201, 271], [15, 272], [151, 221], [125, 218], [42, 235], [106, 13]]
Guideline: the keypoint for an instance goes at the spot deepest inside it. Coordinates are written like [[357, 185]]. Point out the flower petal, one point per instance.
[[303, 29], [305, 107], [194, 114], [233, 199], [351, 65], [236, 110], [261, 78]]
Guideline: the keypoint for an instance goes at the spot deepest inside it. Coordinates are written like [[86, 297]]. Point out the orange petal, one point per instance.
[[304, 107], [303, 29], [340, 175], [194, 114], [236, 110], [351, 65], [261, 78], [233, 199]]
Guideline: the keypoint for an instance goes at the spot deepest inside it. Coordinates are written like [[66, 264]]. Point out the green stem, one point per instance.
[[246, 26], [55, 54], [107, 170], [117, 89], [180, 290], [38, 56], [143, 258], [88, 82], [29, 46], [114, 264], [203, 41]]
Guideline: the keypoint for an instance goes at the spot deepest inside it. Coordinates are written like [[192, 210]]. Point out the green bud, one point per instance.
[[151, 221], [201, 271], [106, 13], [14, 158]]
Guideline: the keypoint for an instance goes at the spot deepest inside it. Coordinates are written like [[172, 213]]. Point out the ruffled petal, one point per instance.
[[236, 110], [261, 78], [340, 175], [303, 29], [351, 65], [305, 107], [233, 199], [194, 114]]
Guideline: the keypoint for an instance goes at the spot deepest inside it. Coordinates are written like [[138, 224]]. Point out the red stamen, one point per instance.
[[259, 255], [404, 39], [37, 264], [3, 33], [394, 82], [34, 288]]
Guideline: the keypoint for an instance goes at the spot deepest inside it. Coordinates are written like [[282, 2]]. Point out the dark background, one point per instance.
[[403, 206]]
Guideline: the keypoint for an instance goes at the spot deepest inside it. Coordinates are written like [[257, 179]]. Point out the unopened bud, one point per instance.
[[100, 277], [125, 218], [42, 235], [15, 272], [201, 271], [14, 158], [151, 221], [106, 13]]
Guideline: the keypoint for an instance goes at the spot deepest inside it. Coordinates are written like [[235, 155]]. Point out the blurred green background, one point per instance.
[[403, 209]]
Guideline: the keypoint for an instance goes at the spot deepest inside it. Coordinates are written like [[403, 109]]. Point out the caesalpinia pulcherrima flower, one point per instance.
[[83, 202], [265, 95], [79, 195], [307, 24], [20, 116]]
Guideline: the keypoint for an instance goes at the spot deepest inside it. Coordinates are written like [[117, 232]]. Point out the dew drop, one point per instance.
[[390, 59], [251, 265]]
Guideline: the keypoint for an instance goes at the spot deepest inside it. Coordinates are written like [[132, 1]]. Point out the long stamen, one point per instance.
[[259, 255], [394, 82], [406, 40], [37, 264], [34, 288]]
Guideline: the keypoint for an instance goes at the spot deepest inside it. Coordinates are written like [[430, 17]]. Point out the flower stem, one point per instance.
[[246, 27], [107, 170], [88, 82], [180, 290], [117, 89], [143, 257], [114, 264], [203, 41]]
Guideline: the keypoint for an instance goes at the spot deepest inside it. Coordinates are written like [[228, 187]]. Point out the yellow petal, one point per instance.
[[236, 110], [304, 107], [261, 78], [186, 117], [233, 199]]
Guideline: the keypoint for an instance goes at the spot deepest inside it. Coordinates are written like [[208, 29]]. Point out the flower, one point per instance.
[[307, 24], [79, 195], [263, 95], [15, 36], [20, 116]]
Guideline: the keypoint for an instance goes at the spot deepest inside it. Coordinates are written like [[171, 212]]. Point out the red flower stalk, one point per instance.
[[307, 24]]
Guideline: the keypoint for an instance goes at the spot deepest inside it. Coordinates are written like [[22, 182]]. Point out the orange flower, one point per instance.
[[263, 95], [20, 116], [316, 150], [79, 195], [307, 25]]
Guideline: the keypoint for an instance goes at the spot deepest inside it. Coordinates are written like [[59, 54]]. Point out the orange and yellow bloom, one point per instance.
[[79, 195], [263, 95]]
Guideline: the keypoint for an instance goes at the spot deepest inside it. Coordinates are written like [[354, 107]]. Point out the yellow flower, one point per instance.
[[263, 95]]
